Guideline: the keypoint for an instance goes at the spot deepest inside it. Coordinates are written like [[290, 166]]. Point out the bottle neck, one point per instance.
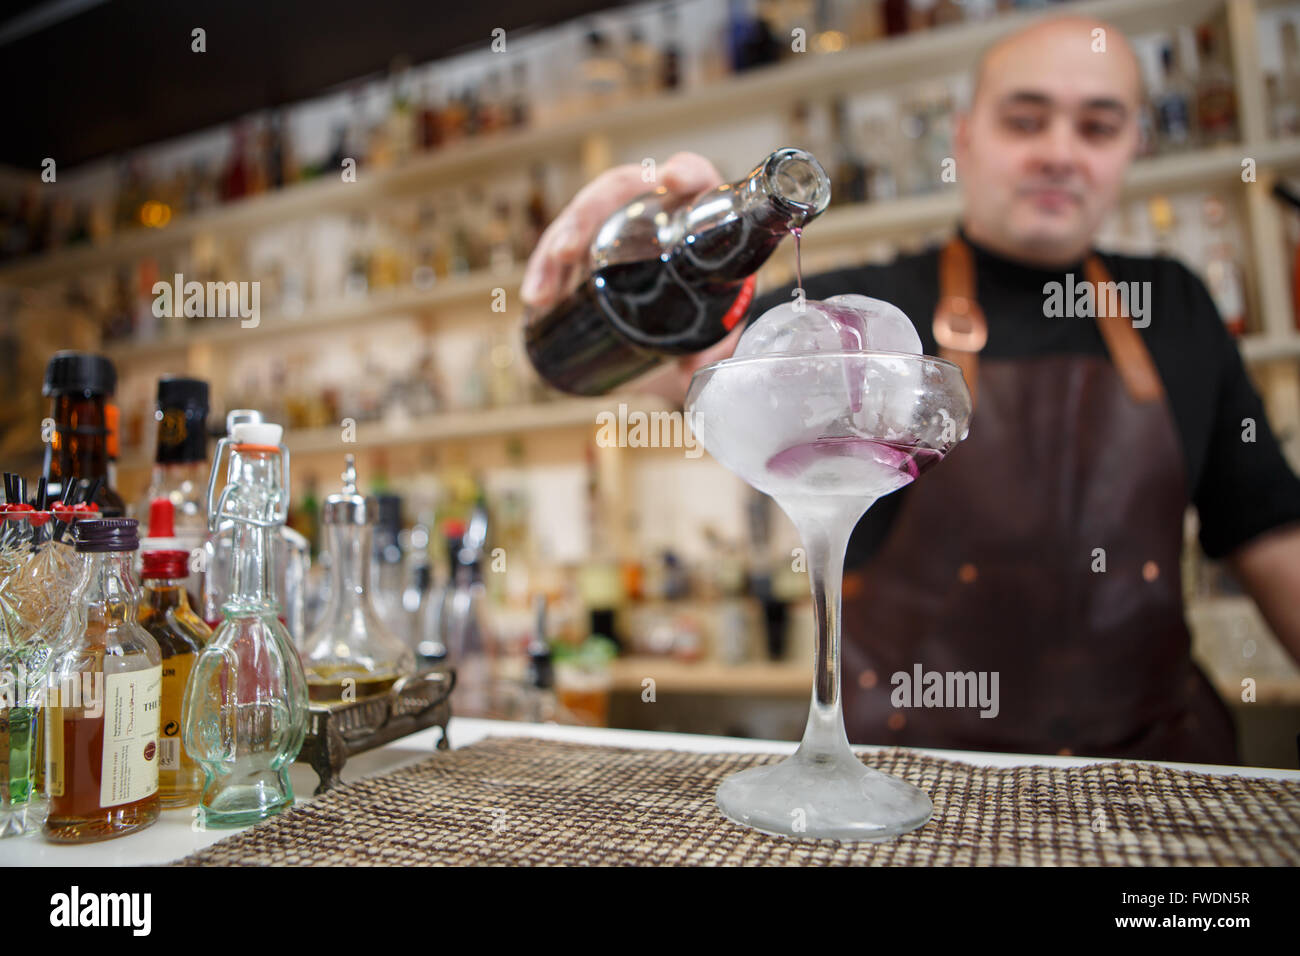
[[165, 594], [111, 594], [256, 478], [349, 549], [731, 230]]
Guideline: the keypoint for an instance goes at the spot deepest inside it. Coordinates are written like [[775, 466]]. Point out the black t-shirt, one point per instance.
[[1240, 488]]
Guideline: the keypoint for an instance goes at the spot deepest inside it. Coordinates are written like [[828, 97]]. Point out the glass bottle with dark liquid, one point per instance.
[[671, 275], [79, 385]]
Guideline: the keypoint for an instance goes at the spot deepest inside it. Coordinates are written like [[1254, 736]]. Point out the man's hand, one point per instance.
[[1268, 567], [563, 248]]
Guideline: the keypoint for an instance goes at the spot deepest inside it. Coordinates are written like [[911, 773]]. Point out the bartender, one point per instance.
[[1046, 547]]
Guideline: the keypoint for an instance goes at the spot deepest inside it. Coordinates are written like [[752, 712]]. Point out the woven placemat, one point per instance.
[[521, 800]]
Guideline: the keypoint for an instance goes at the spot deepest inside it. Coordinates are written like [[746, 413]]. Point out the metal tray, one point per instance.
[[338, 731]]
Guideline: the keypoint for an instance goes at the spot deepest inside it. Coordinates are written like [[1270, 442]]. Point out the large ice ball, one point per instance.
[[839, 324]]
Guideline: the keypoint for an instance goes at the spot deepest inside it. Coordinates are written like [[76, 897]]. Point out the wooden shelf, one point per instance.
[[907, 59], [451, 426], [712, 677], [846, 225], [446, 293]]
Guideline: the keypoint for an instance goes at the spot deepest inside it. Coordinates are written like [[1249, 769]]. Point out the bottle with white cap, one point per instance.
[[245, 712], [290, 561]]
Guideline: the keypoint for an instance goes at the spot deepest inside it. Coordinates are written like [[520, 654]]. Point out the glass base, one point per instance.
[[827, 796]]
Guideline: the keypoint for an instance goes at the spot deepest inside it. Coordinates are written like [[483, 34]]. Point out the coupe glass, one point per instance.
[[826, 434]]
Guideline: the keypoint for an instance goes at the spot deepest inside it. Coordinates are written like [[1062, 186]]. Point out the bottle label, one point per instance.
[[175, 674], [740, 306], [132, 705]]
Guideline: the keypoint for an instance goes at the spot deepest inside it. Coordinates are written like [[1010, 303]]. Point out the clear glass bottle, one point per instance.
[[104, 700], [352, 653], [166, 614], [246, 700], [290, 562]]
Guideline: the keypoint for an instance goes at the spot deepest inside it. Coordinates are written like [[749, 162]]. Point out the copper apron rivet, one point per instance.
[[1150, 571], [896, 721], [967, 573], [867, 679]]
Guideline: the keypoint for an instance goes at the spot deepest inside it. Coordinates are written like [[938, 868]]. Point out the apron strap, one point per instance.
[[961, 330]]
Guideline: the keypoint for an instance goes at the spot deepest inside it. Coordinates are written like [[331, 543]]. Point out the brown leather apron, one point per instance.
[[994, 561]]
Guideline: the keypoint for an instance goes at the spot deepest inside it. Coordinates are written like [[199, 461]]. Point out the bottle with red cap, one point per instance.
[[166, 613]]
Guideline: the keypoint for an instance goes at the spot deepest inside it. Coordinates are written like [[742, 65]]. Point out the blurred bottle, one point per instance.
[[641, 61], [1223, 275], [1173, 103], [180, 470], [1216, 95], [849, 180], [604, 78], [1286, 86], [670, 57], [520, 109]]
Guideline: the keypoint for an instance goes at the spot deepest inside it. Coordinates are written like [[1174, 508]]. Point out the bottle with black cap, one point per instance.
[[79, 385], [101, 726], [180, 471]]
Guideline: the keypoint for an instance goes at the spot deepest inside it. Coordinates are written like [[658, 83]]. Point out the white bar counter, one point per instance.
[[176, 834]]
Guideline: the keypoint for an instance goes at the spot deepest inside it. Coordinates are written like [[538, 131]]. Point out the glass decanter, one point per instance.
[[245, 711], [352, 653]]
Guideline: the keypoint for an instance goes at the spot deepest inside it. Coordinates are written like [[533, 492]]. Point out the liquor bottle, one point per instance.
[[604, 78], [670, 58], [1173, 104], [1222, 273], [640, 59], [1216, 97], [79, 385], [180, 472], [519, 109], [246, 701], [850, 183], [351, 654], [101, 728], [166, 613], [670, 275], [1286, 91], [429, 126]]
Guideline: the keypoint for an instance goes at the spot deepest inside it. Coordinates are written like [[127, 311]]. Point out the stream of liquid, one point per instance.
[[797, 232]]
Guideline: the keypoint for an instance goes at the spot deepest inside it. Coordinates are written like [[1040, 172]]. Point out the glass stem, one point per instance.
[[825, 542]]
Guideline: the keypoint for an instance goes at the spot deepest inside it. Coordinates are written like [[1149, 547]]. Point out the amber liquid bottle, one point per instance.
[[79, 385], [166, 614], [101, 727]]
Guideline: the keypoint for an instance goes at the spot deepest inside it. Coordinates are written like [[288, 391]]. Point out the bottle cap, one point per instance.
[[182, 415], [175, 391], [162, 518], [259, 433], [241, 416], [165, 564], [348, 507], [106, 534], [79, 373]]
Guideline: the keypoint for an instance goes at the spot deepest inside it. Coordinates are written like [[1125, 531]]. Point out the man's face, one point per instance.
[[1042, 154]]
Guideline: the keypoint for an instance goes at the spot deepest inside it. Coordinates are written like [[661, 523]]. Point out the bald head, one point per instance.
[[1077, 37], [1051, 129]]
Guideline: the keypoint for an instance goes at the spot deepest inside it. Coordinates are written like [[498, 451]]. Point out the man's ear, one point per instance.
[[961, 135]]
